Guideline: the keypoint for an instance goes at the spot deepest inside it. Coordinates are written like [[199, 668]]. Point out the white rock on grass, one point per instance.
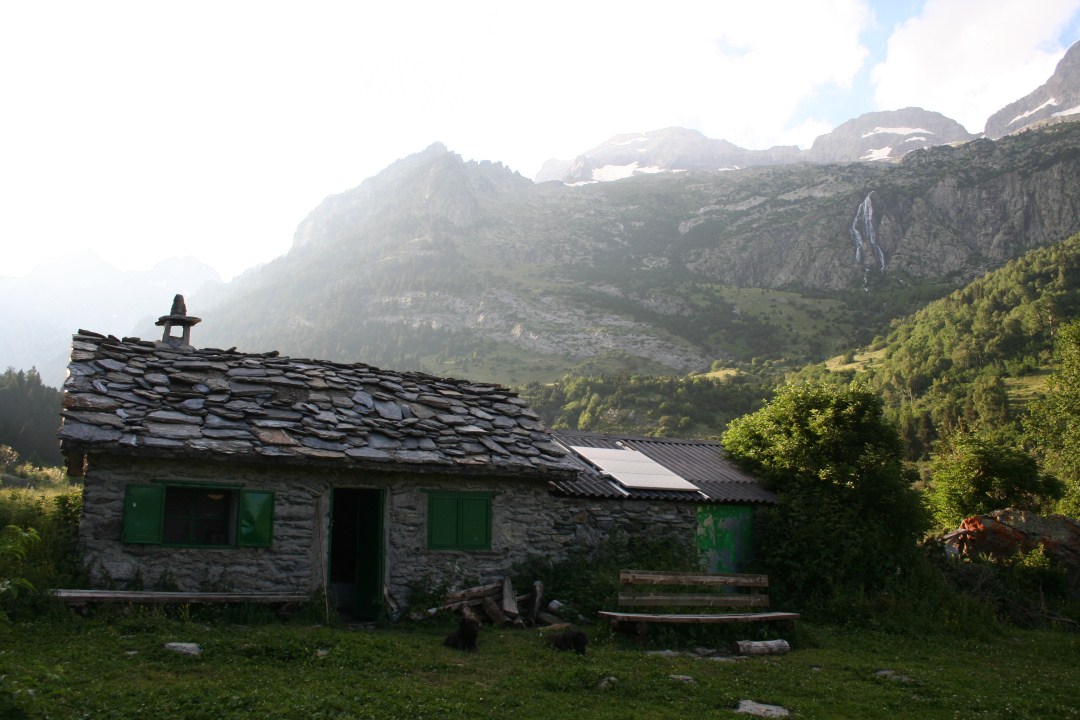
[[184, 648], [749, 707]]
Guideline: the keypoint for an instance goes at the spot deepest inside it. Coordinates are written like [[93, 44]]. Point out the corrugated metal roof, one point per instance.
[[701, 462]]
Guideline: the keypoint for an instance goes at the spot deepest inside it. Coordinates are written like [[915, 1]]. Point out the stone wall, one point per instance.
[[527, 521], [286, 566]]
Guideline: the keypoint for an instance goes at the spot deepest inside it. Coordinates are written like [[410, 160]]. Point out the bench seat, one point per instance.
[[82, 597], [703, 618], [740, 593]]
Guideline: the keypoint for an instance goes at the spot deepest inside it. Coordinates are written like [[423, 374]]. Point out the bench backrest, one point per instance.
[[692, 589]]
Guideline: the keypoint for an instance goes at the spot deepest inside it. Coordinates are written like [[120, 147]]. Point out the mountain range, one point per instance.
[[465, 268], [702, 252], [876, 136]]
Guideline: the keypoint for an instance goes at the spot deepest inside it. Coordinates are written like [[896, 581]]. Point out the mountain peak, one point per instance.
[[886, 135], [673, 149], [1056, 100]]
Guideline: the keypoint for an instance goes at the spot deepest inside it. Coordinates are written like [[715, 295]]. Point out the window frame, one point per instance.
[[453, 518], [250, 518]]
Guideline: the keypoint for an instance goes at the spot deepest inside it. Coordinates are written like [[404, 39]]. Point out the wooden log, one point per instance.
[[548, 619], [509, 601], [552, 629], [537, 600], [492, 610], [455, 601], [761, 647], [474, 593]]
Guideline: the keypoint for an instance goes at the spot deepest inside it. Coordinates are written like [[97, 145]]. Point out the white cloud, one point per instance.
[[215, 127], [969, 58]]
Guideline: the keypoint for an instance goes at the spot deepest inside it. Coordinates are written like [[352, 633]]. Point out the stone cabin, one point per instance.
[[208, 469]]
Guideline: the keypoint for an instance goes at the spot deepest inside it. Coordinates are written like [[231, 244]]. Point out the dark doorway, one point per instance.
[[356, 551]]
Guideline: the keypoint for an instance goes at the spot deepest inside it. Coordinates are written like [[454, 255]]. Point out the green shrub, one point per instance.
[[847, 521], [587, 580], [15, 542], [973, 475], [1027, 589], [52, 562]]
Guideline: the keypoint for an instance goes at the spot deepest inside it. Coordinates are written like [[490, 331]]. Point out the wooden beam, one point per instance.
[[692, 600], [150, 596], [646, 577], [509, 600], [708, 619]]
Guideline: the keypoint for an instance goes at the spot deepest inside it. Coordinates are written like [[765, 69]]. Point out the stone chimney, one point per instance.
[[177, 317]]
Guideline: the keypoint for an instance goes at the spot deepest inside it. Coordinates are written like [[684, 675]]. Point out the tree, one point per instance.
[[847, 518], [972, 476], [8, 458], [29, 416], [1052, 429]]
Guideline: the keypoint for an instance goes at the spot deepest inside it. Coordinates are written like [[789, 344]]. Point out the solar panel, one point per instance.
[[634, 469]]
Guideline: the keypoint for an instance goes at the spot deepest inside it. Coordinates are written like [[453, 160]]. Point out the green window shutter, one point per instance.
[[442, 521], [255, 525], [143, 506], [475, 523]]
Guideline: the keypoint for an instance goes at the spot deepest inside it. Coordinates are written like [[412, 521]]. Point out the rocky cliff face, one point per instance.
[[1057, 100], [454, 267]]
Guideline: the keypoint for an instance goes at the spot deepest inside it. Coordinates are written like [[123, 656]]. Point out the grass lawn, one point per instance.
[[119, 668]]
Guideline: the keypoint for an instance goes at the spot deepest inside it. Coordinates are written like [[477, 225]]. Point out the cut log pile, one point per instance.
[[498, 604]]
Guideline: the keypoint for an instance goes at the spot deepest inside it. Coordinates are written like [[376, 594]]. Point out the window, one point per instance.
[[198, 516], [459, 521]]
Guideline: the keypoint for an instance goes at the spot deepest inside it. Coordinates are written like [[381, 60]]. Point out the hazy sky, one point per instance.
[[147, 129]]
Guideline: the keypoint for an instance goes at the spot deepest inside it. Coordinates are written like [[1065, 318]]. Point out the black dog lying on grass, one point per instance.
[[464, 638], [570, 640]]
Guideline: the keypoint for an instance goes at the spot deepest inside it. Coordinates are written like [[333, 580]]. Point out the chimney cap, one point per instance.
[[177, 316]]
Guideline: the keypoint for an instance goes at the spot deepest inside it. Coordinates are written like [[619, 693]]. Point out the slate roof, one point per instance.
[[155, 399], [701, 462]]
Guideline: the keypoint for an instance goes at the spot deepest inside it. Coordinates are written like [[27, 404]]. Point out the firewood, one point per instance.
[[537, 600], [474, 593], [551, 629], [509, 602], [493, 612], [548, 619]]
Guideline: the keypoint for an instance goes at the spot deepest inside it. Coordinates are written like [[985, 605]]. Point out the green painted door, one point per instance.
[[724, 537]]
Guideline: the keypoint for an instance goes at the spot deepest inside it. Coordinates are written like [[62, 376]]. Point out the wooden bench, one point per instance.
[[693, 590], [80, 598]]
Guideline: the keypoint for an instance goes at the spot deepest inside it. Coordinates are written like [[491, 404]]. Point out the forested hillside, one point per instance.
[[698, 406], [973, 359], [970, 361], [29, 417]]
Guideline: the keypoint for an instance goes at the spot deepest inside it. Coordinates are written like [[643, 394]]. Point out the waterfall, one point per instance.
[[867, 249]]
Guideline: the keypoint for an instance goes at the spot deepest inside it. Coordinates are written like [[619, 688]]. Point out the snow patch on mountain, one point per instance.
[[882, 153], [897, 131], [1052, 102], [618, 172], [1065, 113]]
